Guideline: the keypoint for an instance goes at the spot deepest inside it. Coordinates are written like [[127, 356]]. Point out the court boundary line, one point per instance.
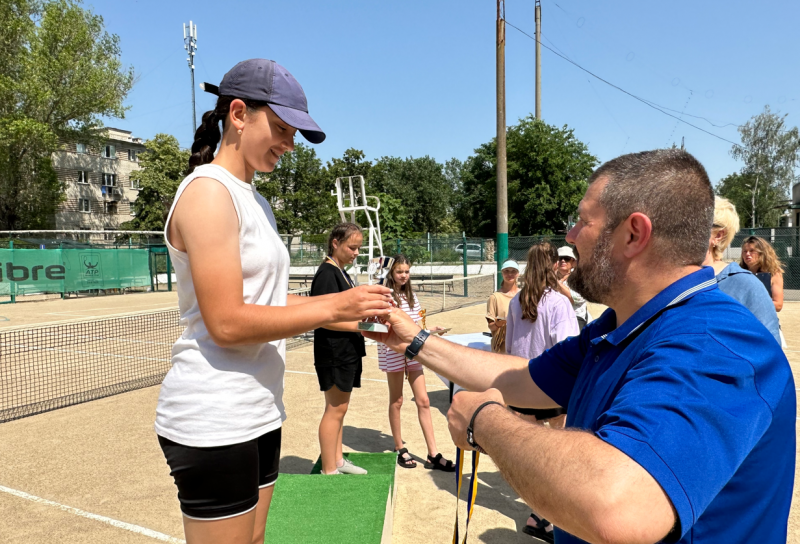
[[96, 517]]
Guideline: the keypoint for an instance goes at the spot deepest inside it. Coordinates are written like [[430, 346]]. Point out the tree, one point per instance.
[[300, 193], [738, 188], [59, 74], [547, 172], [163, 167], [420, 185], [770, 154]]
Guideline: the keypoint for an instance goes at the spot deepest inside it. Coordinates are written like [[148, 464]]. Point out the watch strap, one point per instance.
[[416, 344]]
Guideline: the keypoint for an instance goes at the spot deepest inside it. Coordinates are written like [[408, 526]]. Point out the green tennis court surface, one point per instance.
[[312, 508]]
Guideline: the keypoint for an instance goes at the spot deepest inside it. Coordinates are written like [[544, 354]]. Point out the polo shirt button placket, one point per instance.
[[596, 358]]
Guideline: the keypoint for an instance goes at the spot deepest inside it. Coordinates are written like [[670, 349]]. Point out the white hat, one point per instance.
[[566, 251]]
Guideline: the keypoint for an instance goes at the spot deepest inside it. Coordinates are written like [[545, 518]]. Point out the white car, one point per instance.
[[473, 250]]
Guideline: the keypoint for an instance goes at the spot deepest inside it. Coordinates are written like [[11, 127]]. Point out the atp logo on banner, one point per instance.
[[91, 269]]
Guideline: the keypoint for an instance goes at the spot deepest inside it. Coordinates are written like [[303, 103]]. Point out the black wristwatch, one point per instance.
[[470, 428], [416, 344]]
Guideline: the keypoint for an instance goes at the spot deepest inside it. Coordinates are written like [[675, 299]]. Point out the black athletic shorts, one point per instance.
[[223, 481], [540, 414], [345, 377]]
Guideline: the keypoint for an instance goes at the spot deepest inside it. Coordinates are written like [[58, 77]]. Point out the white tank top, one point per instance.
[[215, 396]]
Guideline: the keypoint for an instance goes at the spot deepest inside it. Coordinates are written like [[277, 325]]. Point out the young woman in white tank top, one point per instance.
[[220, 407]]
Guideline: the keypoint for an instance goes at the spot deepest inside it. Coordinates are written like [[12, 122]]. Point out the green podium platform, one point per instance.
[[346, 509]]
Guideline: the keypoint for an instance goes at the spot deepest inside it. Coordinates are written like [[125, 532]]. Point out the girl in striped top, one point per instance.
[[397, 367]]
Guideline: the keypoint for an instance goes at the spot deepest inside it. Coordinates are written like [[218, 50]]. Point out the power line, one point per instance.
[[642, 100]]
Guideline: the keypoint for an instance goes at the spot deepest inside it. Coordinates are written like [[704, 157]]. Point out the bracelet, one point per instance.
[[471, 426]]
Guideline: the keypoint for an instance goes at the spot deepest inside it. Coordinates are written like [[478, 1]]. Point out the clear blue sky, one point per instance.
[[416, 78]]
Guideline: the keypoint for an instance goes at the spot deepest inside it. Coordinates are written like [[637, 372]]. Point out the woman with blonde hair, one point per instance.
[[732, 279], [760, 258]]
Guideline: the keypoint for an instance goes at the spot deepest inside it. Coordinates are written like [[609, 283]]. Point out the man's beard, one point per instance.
[[595, 277]]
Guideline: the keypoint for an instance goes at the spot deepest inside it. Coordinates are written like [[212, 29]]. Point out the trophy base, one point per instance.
[[372, 327]]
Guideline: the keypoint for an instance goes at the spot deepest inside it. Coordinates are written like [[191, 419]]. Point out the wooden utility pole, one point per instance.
[[502, 182], [538, 16]]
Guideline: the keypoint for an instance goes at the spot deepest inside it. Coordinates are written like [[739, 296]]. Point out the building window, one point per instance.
[[110, 152], [84, 205], [110, 207], [133, 211], [109, 180], [83, 177], [80, 148], [135, 184], [133, 155]]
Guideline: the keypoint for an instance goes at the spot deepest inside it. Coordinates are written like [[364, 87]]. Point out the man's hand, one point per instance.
[[402, 331], [461, 412]]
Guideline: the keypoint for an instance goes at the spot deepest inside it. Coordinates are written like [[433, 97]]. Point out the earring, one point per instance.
[[239, 131]]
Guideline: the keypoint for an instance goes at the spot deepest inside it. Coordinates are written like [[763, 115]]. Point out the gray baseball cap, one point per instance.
[[267, 81]]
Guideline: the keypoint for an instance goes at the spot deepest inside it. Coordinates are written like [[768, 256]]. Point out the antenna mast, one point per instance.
[[190, 45]]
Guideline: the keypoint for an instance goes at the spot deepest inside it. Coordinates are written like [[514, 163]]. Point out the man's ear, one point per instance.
[[638, 232]]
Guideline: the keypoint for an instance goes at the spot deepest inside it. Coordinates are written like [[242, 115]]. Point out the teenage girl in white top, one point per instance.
[[397, 366], [220, 407]]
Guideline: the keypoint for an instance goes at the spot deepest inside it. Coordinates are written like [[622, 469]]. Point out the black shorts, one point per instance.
[[540, 414], [222, 481], [345, 377]]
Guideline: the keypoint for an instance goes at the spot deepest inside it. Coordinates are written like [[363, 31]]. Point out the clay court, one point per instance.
[[94, 473]]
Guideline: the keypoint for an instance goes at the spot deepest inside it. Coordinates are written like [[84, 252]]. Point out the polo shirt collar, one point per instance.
[[683, 289]]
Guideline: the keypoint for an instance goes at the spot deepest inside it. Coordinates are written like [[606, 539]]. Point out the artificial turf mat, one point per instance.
[[345, 509]]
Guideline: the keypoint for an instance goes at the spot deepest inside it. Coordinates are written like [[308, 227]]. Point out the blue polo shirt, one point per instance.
[[696, 390]]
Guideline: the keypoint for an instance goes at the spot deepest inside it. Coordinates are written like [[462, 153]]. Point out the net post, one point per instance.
[[13, 284], [150, 266], [464, 259], [169, 273]]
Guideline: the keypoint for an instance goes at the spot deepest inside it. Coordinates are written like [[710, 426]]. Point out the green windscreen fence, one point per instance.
[[27, 271]]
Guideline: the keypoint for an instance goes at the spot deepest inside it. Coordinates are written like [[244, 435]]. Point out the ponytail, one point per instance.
[[208, 135]]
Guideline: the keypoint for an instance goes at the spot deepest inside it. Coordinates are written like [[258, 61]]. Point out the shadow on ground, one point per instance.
[[362, 439], [493, 492], [291, 464]]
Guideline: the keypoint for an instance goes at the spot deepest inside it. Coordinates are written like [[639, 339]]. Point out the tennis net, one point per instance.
[[53, 366]]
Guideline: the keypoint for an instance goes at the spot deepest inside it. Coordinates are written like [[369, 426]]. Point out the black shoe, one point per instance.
[[540, 531]]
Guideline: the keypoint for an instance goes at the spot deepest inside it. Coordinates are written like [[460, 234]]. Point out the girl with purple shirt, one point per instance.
[[539, 317]]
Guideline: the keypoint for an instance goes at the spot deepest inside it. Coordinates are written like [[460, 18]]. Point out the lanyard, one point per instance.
[[347, 278], [473, 490]]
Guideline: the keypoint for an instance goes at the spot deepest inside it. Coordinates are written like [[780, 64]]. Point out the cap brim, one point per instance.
[[301, 121]]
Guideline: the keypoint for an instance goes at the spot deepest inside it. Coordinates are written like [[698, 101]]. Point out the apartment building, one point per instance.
[[99, 191]]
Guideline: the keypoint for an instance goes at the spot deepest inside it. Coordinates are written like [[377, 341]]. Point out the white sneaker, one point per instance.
[[330, 474], [349, 468]]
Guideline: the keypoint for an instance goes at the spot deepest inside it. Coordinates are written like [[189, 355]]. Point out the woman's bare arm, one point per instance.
[[777, 291], [206, 224]]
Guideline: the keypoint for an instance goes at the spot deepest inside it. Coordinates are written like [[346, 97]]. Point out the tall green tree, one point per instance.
[[163, 167], [770, 151], [738, 188], [420, 185], [547, 172], [299, 193], [60, 72]]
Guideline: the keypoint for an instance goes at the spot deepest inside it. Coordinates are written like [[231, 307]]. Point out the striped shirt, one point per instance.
[[388, 360]]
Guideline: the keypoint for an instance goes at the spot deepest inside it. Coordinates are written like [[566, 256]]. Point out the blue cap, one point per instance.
[[267, 81], [511, 263]]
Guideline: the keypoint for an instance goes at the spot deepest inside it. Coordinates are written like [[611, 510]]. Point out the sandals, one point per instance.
[[405, 462], [435, 463], [540, 529]]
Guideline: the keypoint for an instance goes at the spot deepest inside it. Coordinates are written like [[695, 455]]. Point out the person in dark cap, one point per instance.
[[220, 408]]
